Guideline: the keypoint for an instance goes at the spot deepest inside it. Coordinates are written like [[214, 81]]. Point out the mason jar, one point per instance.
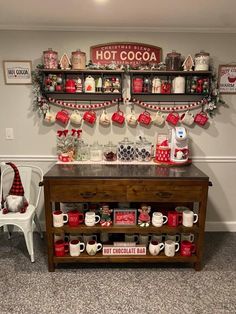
[[125, 150], [110, 152], [143, 150], [96, 152], [82, 152]]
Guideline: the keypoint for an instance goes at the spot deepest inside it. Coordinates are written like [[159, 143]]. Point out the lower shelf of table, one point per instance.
[[99, 258], [125, 229]]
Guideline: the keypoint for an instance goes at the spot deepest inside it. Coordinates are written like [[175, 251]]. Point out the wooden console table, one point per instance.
[[186, 186]]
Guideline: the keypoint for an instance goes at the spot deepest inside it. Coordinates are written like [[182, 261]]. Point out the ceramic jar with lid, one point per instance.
[[110, 152], [89, 84], [78, 60], [173, 61], [126, 150], [50, 59], [143, 150], [82, 152], [96, 151], [202, 60]]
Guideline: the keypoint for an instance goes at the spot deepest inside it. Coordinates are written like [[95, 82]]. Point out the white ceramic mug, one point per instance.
[[104, 118], [171, 247], [187, 118], [173, 237], [50, 117], [158, 219], [59, 218], [92, 247], [144, 239], [91, 219], [187, 237], [189, 218], [159, 118], [131, 237], [76, 247], [131, 119], [155, 247], [76, 118], [89, 237]]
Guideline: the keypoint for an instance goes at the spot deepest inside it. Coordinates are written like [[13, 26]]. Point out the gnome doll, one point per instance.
[[15, 200]]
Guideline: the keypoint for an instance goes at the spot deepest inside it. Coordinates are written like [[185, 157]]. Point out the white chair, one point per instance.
[[31, 176]]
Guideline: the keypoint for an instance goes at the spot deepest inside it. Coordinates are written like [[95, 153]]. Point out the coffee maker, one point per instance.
[[179, 145]]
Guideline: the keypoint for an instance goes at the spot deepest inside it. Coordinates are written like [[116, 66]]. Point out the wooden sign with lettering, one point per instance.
[[139, 249], [125, 53]]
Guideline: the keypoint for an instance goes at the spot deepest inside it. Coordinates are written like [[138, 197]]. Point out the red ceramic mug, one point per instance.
[[173, 118], [187, 248], [90, 117], [75, 218], [63, 116], [61, 247], [64, 157], [118, 117], [174, 218], [201, 118], [145, 118]]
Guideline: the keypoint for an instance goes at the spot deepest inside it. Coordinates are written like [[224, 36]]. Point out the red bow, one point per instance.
[[60, 133], [73, 132]]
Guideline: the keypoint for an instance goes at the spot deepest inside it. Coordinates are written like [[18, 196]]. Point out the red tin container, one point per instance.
[[137, 85]]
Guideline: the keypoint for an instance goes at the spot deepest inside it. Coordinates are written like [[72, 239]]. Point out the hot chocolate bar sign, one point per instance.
[[125, 53]]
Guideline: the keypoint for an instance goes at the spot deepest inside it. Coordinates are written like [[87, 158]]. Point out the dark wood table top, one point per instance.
[[123, 171]]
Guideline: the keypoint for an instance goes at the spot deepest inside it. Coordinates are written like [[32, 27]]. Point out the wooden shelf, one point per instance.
[[99, 258], [58, 71], [82, 96], [125, 229]]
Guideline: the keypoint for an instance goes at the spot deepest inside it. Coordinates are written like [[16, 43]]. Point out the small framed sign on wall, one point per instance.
[[227, 79], [17, 72]]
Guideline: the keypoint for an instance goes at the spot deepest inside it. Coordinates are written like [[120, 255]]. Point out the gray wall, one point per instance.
[[213, 149]]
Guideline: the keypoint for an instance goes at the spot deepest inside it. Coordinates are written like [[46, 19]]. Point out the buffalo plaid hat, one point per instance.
[[17, 187]]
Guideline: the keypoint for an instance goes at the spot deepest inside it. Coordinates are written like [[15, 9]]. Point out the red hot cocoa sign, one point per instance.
[[125, 53]]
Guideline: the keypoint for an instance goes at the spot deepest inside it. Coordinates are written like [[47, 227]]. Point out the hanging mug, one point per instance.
[[118, 117], [145, 118], [131, 119], [63, 116], [90, 117], [104, 118], [159, 118], [173, 118], [50, 117], [201, 118], [187, 118], [76, 118]]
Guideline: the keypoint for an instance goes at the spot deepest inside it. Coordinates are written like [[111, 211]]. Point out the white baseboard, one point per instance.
[[53, 158], [220, 226]]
